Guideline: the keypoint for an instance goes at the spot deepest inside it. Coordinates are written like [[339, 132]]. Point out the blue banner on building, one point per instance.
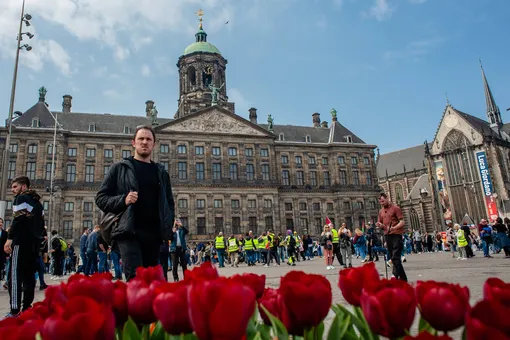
[[485, 176]]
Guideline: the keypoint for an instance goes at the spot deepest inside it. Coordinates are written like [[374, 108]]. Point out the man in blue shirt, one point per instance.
[[178, 248], [91, 246], [83, 249]]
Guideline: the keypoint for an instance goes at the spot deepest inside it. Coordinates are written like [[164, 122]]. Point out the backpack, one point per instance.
[[292, 241], [63, 244]]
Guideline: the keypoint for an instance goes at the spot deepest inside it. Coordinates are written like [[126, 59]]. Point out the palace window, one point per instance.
[[181, 149], [68, 230], [71, 173], [199, 150], [199, 171], [218, 203], [343, 177], [90, 153], [232, 151], [216, 151], [265, 172], [164, 148], [200, 204], [89, 173], [182, 170], [31, 167], [182, 203], [313, 178], [233, 171], [72, 152], [248, 152], [216, 171], [108, 153], [285, 177], [126, 153], [250, 172]]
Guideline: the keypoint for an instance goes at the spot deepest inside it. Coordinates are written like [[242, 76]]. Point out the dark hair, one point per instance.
[[382, 194], [54, 232], [145, 127], [85, 228], [499, 220], [22, 180]]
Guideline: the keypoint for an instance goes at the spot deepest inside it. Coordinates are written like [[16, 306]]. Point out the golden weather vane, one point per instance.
[[199, 14]]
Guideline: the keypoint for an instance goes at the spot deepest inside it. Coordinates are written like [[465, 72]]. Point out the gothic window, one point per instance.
[[399, 193], [415, 219], [192, 76], [455, 140]]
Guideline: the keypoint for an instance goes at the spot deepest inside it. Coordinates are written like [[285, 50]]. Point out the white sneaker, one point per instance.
[[463, 258], [328, 267], [266, 266]]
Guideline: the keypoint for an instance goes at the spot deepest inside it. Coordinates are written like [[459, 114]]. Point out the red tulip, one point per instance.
[[210, 301], [98, 287], [442, 304], [488, 319], [82, 318], [119, 303], [304, 301], [140, 297], [204, 272], [150, 274], [254, 281], [496, 289], [19, 330], [270, 301], [55, 296], [352, 281], [389, 307], [427, 336], [170, 307]]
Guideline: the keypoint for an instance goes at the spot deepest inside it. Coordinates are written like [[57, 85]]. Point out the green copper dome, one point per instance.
[[201, 44]]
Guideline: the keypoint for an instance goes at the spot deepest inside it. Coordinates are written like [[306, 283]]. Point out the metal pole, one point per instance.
[[53, 151], [3, 190]]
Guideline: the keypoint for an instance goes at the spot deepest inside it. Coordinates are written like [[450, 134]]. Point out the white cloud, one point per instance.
[[381, 10], [414, 50], [100, 72], [110, 93], [146, 71], [46, 51], [120, 53], [242, 105]]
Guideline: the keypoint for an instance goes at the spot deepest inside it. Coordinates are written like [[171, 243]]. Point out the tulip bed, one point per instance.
[[206, 306]]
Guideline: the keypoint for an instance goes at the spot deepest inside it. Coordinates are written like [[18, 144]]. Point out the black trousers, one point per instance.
[[163, 261], [135, 253], [395, 246], [273, 254], [22, 278], [178, 256], [336, 252], [58, 268]]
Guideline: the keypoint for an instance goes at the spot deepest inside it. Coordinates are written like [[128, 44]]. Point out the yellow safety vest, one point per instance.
[[262, 244], [256, 242], [271, 243], [220, 242], [232, 245], [248, 244], [336, 239]]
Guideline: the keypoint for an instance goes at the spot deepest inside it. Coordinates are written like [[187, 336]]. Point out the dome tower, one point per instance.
[[202, 80]]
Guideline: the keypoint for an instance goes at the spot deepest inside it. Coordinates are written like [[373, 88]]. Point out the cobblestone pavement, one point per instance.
[[428, 266]]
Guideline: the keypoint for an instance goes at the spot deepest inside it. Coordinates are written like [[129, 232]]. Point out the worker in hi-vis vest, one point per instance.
[[220, 245]]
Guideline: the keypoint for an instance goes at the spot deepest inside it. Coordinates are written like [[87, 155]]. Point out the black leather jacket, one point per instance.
[[119, 181]]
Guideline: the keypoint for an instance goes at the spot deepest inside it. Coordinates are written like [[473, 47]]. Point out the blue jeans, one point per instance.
[[362, 251], [103, 268], [249, 257], [319, 251], [40, 271], [91, 262], [485, 247], [281, 253], [221, 257], [116, 264]]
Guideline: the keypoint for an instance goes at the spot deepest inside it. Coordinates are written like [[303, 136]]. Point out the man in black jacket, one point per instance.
[[140, 190], [23, 243]]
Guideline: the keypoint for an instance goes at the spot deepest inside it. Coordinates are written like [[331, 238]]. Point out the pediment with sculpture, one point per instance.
[[215, 122]]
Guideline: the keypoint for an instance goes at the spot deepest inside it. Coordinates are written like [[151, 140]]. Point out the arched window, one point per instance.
[[192, 76], [415, 219], [399, 193]]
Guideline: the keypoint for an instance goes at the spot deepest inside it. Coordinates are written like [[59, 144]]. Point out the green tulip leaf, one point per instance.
[[38, 336], [264, 332], [251, 330], [423, 325], [158, 333], [314, 333], [339, 327], [130, 331], [279, 329], [362, 325]]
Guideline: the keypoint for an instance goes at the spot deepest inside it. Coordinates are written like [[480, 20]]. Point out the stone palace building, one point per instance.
[[228, 173]]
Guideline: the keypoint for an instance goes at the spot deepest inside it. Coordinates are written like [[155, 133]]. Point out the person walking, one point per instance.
[[178, 248], [220, 245], [139, 190], [23, 244], [83, 250], [327, 244], [391, 220]]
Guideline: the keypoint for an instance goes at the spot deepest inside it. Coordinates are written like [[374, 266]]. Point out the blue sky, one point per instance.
[[384, 65]]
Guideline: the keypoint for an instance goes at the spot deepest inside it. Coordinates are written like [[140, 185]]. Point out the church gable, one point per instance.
[[215, 120], [455, 124]]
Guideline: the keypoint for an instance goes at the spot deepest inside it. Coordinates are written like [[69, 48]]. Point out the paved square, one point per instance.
[[433, 266]]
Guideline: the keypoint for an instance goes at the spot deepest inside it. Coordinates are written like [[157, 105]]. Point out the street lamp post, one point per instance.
[[25, 18]]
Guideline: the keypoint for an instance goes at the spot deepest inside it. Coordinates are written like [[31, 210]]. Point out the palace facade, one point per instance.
[[228, 173]]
